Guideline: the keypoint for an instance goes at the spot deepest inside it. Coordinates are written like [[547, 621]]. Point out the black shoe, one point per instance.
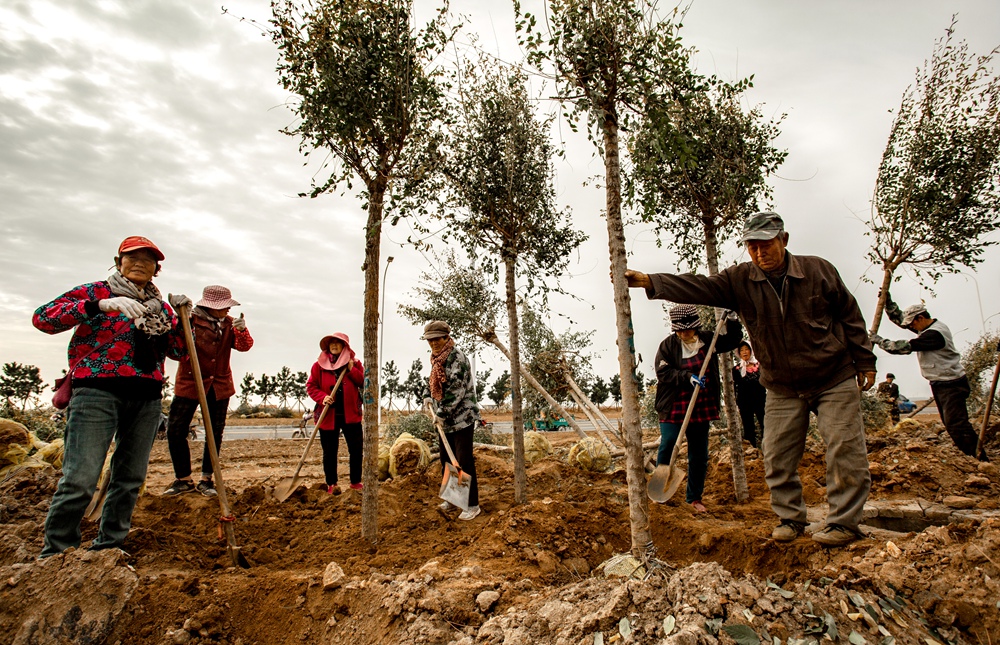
[[206, 488], [179, 486]]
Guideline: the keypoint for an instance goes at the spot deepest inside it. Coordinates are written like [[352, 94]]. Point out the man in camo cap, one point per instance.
[[812, 344], [941, 364]]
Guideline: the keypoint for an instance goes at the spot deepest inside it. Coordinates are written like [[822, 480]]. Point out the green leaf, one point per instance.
[[856, 638], [668, 625], [742, 634], [831, 627]]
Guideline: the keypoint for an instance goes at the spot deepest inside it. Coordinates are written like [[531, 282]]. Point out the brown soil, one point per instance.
[[433, 579]]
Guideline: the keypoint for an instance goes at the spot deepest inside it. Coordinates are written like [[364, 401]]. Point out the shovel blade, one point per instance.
[[96, 506], [664, 482], [455, 486], [284, 488]]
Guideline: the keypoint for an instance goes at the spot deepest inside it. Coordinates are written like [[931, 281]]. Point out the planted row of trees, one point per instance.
[[374, 100], [281, 389]]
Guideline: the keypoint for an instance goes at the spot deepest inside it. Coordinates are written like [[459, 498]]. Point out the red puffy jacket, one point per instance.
[[321, 383]]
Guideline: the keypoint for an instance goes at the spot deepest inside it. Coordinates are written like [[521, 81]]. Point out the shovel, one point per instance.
[[287, 485], [667, 478], [227, 518], [96, 506], [455, 483], [980, 451]]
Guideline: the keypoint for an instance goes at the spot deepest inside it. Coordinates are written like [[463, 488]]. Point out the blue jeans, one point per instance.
[[697, 438], [95, 418]]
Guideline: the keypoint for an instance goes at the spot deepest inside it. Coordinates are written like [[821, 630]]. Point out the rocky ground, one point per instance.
[[926, 573]]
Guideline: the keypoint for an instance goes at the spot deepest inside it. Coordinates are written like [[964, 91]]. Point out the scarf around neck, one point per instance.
[[690, 349], [154, 321], [437, 369]]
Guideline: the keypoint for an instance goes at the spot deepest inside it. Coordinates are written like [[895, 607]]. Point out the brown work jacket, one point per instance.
[[214, 349], [808, 338]]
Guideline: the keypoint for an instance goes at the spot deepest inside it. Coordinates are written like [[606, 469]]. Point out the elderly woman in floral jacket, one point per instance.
[[122, 332]]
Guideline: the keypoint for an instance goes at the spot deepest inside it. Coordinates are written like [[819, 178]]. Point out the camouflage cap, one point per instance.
[[762, 226], [910, 314]]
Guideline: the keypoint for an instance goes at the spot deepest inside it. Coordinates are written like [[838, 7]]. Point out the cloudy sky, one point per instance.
[[161, 118]]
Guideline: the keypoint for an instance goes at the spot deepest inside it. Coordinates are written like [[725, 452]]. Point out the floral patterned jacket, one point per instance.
[[121, 349]]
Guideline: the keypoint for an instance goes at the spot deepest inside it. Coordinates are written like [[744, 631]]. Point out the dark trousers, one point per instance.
[[179, 424], [950, 398], [330, 440], [751, 412], [697, 440], [461, 444]]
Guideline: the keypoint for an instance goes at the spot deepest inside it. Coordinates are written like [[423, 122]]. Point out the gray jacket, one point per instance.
[[808, 338]]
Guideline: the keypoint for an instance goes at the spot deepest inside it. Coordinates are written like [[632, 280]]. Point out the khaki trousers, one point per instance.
[[838, 411]]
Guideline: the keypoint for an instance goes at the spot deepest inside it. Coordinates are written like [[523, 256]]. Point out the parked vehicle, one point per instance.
[[905, 405]]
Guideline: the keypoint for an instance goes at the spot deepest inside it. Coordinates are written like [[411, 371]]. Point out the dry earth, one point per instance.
[[517, 574]]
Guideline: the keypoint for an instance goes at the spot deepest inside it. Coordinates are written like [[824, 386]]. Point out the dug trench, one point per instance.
[[518, 573]]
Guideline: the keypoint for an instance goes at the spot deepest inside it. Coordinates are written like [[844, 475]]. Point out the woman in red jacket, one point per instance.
[[344, 415]]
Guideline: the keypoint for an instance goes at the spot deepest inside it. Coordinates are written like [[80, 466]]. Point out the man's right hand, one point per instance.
[[124, 305], [638, 280]]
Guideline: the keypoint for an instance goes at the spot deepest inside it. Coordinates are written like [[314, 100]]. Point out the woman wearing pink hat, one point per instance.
[[216, 335], [336, 358]]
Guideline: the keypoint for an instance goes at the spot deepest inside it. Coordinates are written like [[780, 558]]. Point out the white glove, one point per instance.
[[124, 305], [239, 324], [178, 301], [429, 403]]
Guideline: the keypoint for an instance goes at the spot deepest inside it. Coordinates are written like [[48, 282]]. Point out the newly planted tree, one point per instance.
[[700, 166], [607, 56], [503, 210], [937, 194], [367, 98]]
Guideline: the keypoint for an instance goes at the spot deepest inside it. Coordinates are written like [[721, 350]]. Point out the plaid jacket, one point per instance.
[[457, 408]]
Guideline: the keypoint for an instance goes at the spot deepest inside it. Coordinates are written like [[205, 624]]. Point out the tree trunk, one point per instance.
[[520, 476], [369, 396], [493, 340], [725, 362], [612, 448], [638, 504], [883, 296]]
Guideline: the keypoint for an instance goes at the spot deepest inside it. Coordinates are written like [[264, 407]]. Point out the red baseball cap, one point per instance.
[[136, 242]]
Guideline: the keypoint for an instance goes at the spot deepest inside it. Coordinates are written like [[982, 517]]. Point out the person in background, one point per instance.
[[750, 394], [815, 356], [941, 364], [216, 335], [679, 360], [123, 331], [889, 392], [344, 416], [452, 396]]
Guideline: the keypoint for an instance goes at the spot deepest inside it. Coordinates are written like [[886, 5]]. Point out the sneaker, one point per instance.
[[357, 486], [698, 506], [447, 506], [472, 513], [206, 488], [787, 531], [835, 535], [179, 486], [333, 489]]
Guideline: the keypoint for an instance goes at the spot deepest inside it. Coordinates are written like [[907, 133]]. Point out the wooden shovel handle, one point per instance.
[[989, 407], [444, 439]]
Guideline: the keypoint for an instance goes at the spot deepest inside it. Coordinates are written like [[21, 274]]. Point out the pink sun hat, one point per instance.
[[215, 296]]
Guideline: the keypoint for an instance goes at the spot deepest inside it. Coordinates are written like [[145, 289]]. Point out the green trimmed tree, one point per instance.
[[607, 55], [937, 194], [700, 166], [20, 383], [501, 183], [369, 99]]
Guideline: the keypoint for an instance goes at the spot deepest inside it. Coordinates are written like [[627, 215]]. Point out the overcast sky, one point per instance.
[[161, 118]]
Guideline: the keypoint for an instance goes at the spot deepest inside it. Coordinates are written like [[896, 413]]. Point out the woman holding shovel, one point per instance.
[[679, 361], [344, 416]]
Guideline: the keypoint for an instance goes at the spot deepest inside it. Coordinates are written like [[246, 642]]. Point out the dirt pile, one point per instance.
[[528, 574]]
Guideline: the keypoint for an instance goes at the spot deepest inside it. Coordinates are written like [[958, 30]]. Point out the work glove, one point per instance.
[[239, 324], [128, 307], [178, 301], [699, 381], [875, 339], [731, 315]]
